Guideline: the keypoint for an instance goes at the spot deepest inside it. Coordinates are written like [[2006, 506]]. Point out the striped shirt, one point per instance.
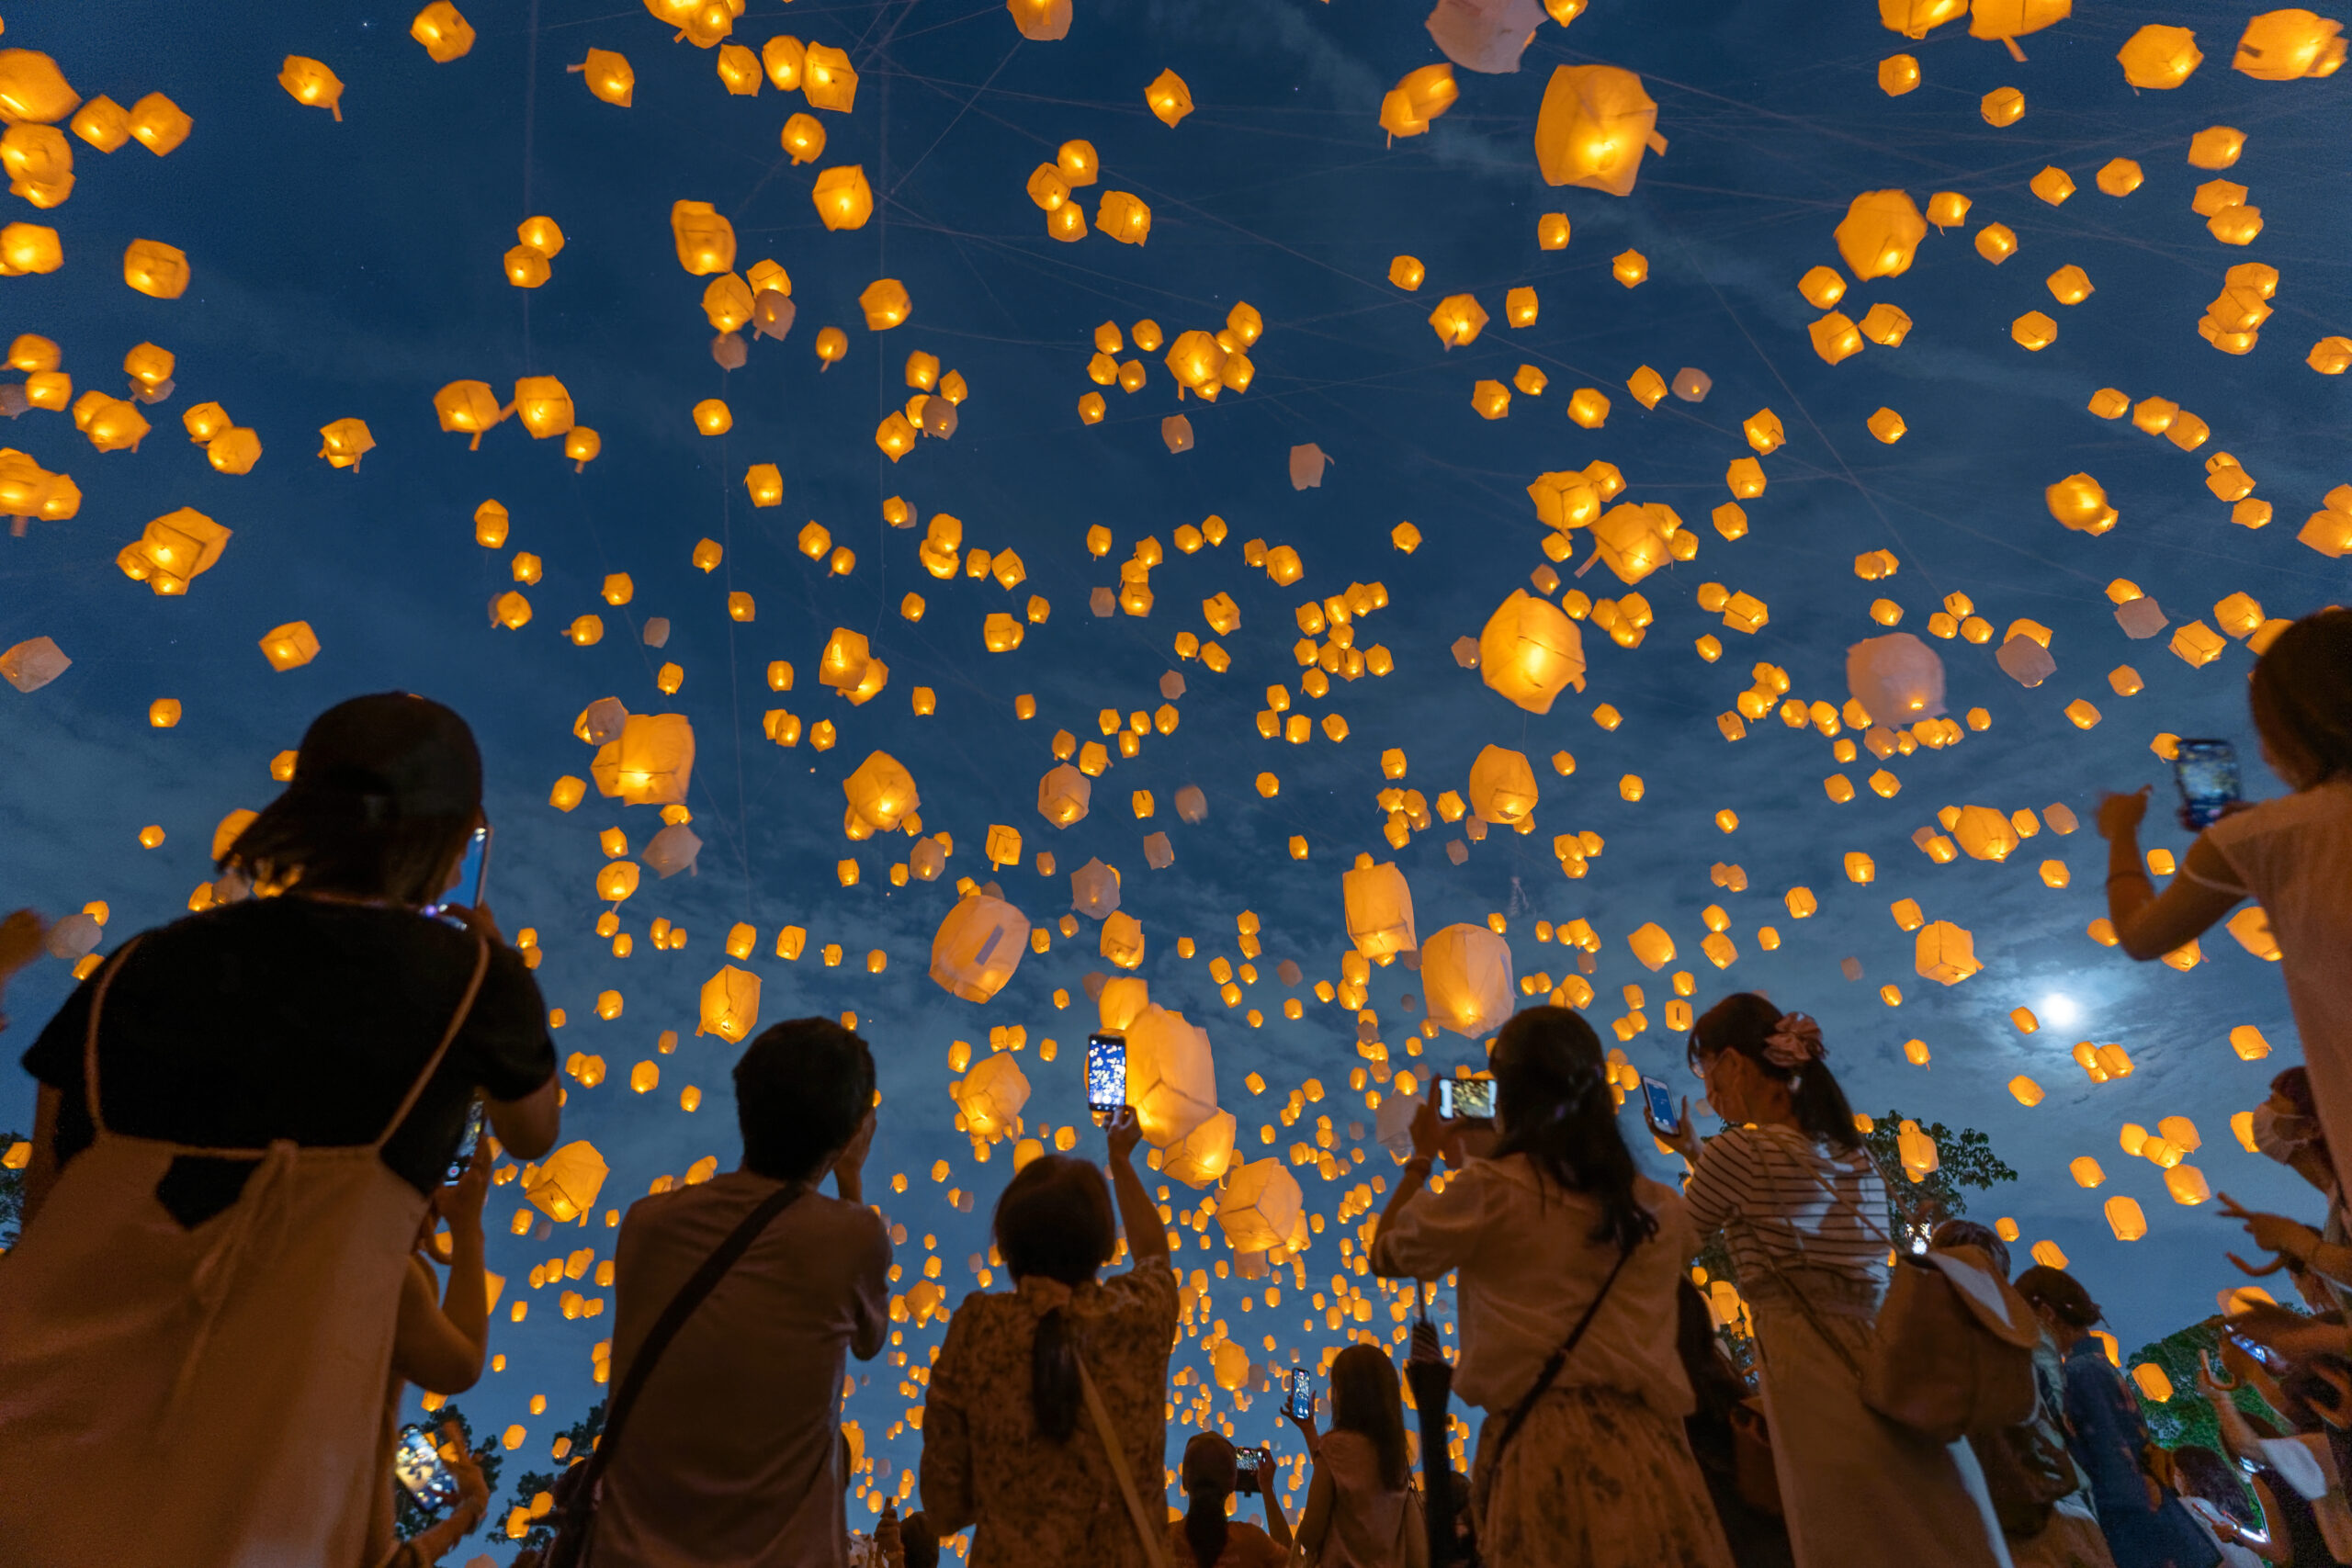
[[1783, 1202]]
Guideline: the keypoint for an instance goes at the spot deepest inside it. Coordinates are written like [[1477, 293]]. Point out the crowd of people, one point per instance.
[[241, 1189]]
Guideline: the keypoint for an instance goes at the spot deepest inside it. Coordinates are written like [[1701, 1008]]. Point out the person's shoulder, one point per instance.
[[1665, 1202], [2329, 804]]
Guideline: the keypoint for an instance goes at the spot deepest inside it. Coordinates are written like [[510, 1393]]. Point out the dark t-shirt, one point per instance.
[[301, 1018]]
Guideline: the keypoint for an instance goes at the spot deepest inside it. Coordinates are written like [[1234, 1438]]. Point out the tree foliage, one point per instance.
[[1965, 1159], [583, 1434], [407, 1517]]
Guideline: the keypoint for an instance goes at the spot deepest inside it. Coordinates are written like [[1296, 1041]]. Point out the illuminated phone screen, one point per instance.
[[1106, 1072]]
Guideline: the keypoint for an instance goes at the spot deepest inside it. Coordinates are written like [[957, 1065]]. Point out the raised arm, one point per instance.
[[2149, 924], [1138, 1217]]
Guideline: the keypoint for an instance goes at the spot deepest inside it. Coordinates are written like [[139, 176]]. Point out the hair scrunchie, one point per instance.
[[1794, 1041]]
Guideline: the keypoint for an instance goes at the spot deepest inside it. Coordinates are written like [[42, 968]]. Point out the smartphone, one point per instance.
[[1106, 1074], [1245, 1480], [1465, 1099], [473, 871], [1302, 1396], [1661, 1104], [468, 1141], [2207, 773], [417, 1465]]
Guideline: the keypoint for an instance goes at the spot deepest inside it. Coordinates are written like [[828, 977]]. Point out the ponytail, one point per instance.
[[1751, 1025], [1055, 1392], [1206, 1528]]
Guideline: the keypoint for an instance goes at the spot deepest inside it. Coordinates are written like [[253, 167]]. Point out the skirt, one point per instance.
[[1860, 1491], [1595, 1479]]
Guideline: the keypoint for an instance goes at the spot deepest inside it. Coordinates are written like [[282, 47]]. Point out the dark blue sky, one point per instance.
[[350, 269]]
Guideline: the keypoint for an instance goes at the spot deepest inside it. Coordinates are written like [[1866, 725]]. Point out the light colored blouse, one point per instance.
[[1530, 1266], [1784, 1201], [2294, 855]]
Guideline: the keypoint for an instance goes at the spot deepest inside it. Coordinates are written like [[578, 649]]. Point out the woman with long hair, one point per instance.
[[1562, 1246], [241, 1118], [1010, 1447], [2292, 854], [1204, 1538], [1360, 1505], [1803, 1211], [2145, 1524]]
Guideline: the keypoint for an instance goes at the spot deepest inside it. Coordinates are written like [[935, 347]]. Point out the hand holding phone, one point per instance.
[[1465, 1099], [473, 874], [1301, 1407], [2206, 772], [1253, 1468], [417, 1465], [1106, 1074]]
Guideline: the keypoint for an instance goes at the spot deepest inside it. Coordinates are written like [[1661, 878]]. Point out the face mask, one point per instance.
[[2280, 1138]]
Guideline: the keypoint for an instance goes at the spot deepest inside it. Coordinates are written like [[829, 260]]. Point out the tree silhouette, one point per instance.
[[1915, 1208], [584, 1433]]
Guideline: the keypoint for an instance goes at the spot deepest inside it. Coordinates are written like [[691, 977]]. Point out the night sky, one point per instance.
[[349, 270]]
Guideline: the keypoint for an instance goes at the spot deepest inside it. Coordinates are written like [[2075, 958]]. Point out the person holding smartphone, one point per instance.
[[2292, 854], [1012, 1446], [1361, 1508], [1568, 1259], [243, 1117], [1204, 1538]]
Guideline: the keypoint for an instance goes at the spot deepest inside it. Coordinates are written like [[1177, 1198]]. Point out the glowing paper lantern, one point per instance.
[[650, 763], [2281, 46], [173, 549], [1467, 979], [2079, 502], [1171, 1074], [1897, 678], [1063, 796], [978, 947], [150, 267], [1502, 785], [568, 1181], [1040, 21], [730, 1004], [2159, 57], [842, 197], [310, 82], [1945, 953], [1201, 1157], [1880, 235], [1260, 1207], [1594, 126], [1379, 908], [991, 1094], [881, 791]]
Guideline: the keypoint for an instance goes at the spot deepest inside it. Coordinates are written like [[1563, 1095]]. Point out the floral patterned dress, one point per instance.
[[1034, 1503]]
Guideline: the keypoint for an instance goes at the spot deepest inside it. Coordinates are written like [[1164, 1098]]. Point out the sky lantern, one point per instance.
[[2079, 502], [310, 82], [1078, 163], [173, 549], [1594, 126], [39, 161], [1458, 320], [1171, 1074], [608, 76], [1945, 953], [991, 1094], [467, 407], [2282, 46], [110, 423], [1502, 786], [2159, 57], [804, 138], [345, 442], [978, 947], [783, 58], [1531, 652], [1040, 21], [1420, 98], [32, 89], [828, 80], [1260, 1207], [1880, 235], [730, 1004], [2008, 20], [542, 405], [1467, 978], [705, 239], [886, 304], [1123, 216], [445, 35], [1917, 18], [843, 201], [32, 247], [651, 762], [881, 792], [103, 123], [1201, 1157], [1379, 908], [290, 647], [1897, 678], [569, 1181], [1169, 98], [153, 267]]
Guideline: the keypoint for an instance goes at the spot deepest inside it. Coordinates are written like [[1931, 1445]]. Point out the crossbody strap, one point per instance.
[[1153, 1538], [1543, 1380], [673, 1317]]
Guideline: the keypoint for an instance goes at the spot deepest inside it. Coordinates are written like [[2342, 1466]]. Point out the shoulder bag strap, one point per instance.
[[1543, 1380], [1797, 1292], [1154, 1539], [673, 1317]]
